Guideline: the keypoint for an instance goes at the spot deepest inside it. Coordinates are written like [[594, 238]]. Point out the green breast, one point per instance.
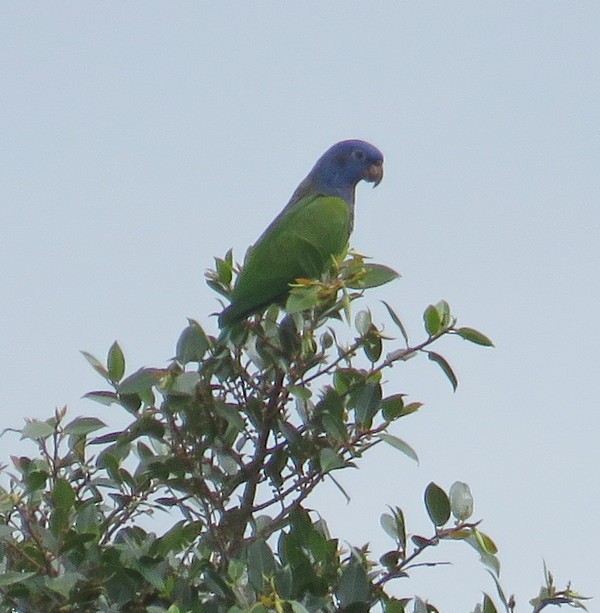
[[298, 244]]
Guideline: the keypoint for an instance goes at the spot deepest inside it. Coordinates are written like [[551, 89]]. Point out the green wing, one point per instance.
[[297, 244]]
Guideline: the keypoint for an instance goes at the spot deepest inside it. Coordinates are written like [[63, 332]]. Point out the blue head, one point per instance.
[[341, 167]]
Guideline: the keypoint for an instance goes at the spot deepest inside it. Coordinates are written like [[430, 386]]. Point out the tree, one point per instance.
[[228, 442]]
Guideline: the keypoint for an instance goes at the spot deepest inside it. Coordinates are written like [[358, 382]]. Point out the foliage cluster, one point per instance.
[[225, 445]]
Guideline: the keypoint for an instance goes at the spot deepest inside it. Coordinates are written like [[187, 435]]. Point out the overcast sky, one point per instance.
[[141, 139]]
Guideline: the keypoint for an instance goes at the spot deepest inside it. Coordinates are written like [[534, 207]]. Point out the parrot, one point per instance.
[[314, 226]]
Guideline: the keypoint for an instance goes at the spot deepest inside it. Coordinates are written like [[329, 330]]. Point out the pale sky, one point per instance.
[[141, 139]]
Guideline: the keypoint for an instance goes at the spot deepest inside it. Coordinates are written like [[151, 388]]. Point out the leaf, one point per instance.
[[96, 365], [103, 397], [35, 429], [140, 381], [437, 504], [461, 501], [488, 605], [420, 541], [420, 606], [443, 364], [397, 321], [12, 577], [394, 526], [302, 299], [400, 445], [366, 401], [400, 526], [373, 345], [300, 391], [391, 407], [344, 379], [431, 318], [388, 523], [185, 384], [374, 275], [297, 607], [486, 544], [236, 570], [411, 407], [329, 460], [63, 495], [224, 268], [354, 584], [499, 589], [192, 344], [395, 605], [84, 425], [261, 563], [363, 322], [443, 309], [474, 336], [111, 437], [115, 362], [63, 584]]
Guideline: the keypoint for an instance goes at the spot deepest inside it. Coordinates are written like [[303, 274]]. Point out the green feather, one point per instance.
[[298, 244]]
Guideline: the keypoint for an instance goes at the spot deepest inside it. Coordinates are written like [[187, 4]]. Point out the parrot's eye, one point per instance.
[[358, 155]]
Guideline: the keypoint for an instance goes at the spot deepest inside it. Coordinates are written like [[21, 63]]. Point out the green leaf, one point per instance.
[[236, 570], [420, 606], [354, 584], [63, 584], [461, 501], [431, 318], [84, 425], [224, 268], [366, 401], [373, 275], [140, 381], [103, 397], [397, 321], [391, 407], [373, 345], [297, 607], [400, 445], [395, 605], [185, 384], [499, 589], [443, 309], [96, 365], [63, 495], [411, 407], [443, 364], [300, 391], [115, 362], [261, 563], [400, 526], [344, 379], [329, 460], [394, 526], [192, 344], [363, 322], [488, 605], [12, 577], [35, 429], [302, 298], [486, 544], [437, 504], [474, 336]]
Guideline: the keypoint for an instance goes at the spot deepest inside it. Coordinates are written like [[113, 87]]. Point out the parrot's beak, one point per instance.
[[374, 173]]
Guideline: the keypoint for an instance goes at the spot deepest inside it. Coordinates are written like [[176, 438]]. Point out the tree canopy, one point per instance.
[[225, 444]]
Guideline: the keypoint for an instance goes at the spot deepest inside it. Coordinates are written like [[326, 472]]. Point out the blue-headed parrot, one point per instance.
[[314, 226]]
